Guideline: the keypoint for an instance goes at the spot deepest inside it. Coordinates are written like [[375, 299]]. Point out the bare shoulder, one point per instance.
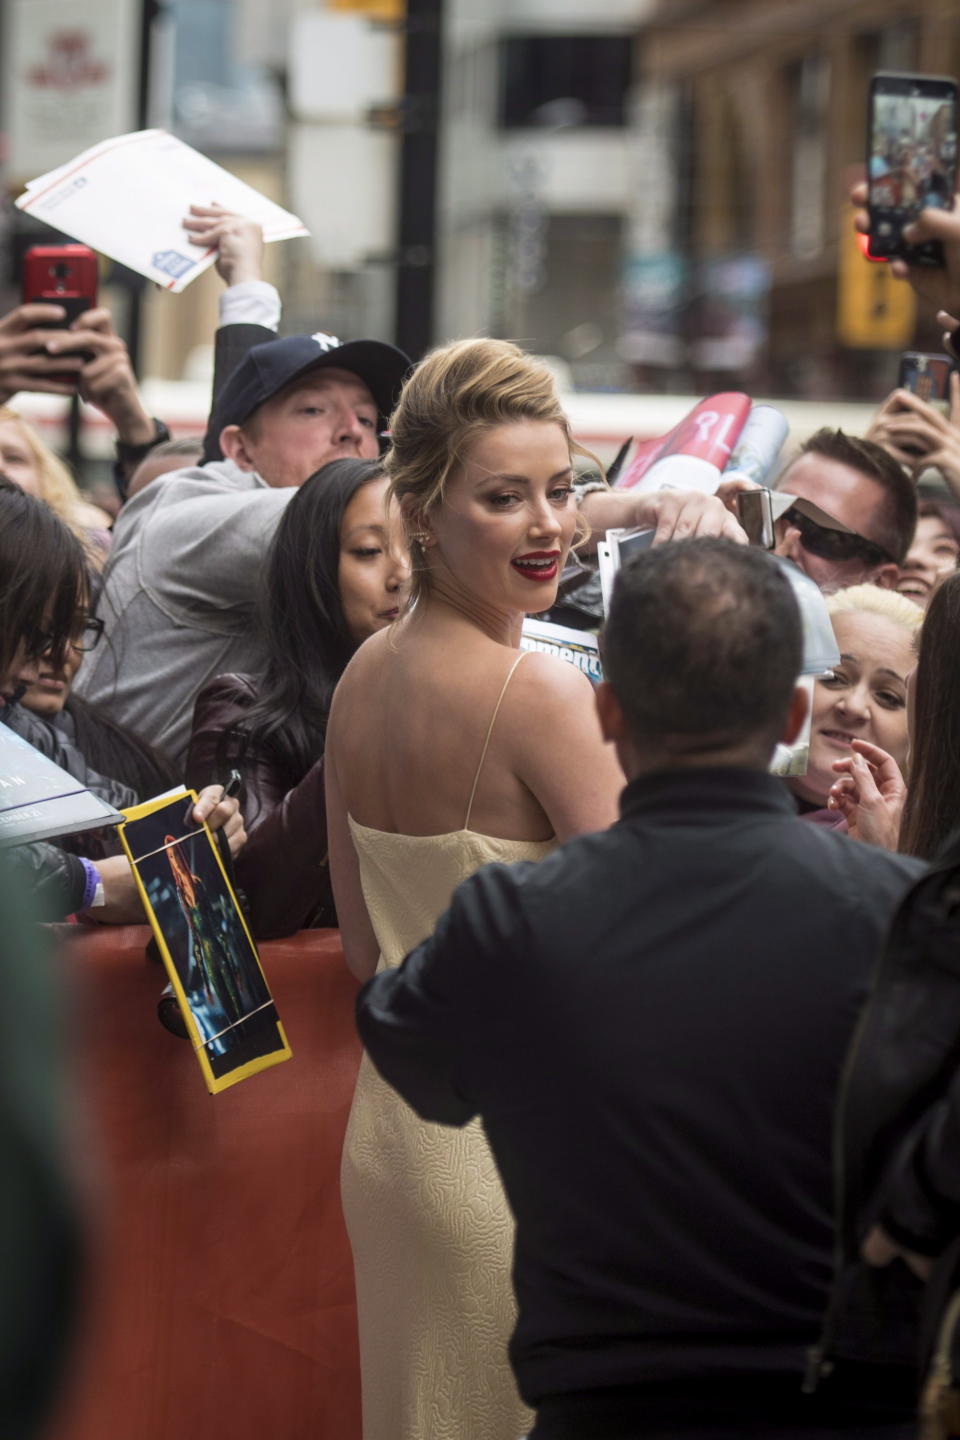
[[553, 680], [358, 679], [556, 747], [549, 702], [367, 660]]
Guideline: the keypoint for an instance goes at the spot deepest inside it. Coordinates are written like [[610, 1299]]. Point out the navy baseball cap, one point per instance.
[[267, 369]]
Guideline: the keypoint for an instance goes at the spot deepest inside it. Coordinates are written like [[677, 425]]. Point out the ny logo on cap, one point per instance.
[[326, 342]]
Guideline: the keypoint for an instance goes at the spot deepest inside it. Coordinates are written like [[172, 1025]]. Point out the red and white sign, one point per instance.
[[71, 76], [694, 454]]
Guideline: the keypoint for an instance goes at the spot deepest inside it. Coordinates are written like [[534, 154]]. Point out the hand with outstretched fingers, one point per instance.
[[870, 794]]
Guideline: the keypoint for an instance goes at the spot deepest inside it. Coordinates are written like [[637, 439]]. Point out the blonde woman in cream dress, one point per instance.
[[449, 748]]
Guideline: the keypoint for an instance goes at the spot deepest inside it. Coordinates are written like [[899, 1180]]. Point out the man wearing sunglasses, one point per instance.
[[856, 514]]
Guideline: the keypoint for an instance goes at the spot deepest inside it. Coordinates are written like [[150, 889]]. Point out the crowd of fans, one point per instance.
[[325, 594]]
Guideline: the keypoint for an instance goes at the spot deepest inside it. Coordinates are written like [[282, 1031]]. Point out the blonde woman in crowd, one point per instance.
[[448, 748], [860, 706], [31, 464]]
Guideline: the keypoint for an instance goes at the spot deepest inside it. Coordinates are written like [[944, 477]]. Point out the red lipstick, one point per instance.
[[538, 565]]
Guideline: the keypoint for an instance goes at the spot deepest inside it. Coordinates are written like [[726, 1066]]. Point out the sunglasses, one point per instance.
[[86, 637], [838, 545]]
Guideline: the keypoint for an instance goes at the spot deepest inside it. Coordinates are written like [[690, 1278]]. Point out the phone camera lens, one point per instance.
[[61, 270]]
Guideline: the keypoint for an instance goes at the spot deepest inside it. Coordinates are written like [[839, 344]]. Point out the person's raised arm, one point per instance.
[[249, 306], [674, 514], [107, 379]]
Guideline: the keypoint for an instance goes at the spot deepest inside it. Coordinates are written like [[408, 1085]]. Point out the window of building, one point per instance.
[[808, 89], [896, 47], [554, 80]]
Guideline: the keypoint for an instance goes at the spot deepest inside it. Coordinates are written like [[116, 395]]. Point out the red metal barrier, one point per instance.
[[221, 1298]]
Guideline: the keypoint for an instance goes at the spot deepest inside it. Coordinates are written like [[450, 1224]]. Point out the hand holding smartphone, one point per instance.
[[911, 160], [926, 376], [64, 275]]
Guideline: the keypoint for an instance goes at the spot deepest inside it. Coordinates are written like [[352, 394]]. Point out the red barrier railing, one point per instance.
[[220, 1299]]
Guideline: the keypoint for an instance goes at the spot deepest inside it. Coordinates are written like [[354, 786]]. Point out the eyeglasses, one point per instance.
[[838, 545], [86, 637]]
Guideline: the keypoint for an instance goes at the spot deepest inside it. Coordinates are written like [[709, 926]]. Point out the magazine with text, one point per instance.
[[39, 800], [577, 647]]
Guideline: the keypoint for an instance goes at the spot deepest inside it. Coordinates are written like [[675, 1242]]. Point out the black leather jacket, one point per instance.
[[53, 874], [283, 868], [898, 1124]]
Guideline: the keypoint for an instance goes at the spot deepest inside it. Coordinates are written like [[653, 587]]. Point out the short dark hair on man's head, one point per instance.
[[897, 520], [703, 641]]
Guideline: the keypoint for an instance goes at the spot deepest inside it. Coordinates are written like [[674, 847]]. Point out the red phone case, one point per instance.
[[61, 275], [64, 275]]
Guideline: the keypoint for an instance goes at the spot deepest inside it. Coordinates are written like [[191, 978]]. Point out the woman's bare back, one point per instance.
[[413, 713]]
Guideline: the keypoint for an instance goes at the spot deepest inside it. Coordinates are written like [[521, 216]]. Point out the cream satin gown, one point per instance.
[[428, 1221]]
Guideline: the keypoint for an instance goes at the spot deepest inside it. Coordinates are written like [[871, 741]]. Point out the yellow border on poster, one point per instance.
[[252, 1067]]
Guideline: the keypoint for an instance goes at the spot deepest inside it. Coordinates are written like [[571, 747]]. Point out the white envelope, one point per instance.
[[127, 198]]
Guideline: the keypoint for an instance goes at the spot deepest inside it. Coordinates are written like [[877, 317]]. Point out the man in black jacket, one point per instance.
[[651, 1024]]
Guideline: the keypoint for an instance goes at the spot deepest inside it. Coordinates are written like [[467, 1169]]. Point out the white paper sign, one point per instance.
[[127, 197]]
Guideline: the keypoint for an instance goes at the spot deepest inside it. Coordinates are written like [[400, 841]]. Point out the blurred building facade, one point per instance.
[[752, 121], [536, 176], [652, 191]]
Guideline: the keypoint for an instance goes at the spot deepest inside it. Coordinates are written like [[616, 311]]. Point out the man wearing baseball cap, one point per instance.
[[180, 587]]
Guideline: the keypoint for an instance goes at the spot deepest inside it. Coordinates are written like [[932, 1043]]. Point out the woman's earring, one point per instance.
[[420, 538]]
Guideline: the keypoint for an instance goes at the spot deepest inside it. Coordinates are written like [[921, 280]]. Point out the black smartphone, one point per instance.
[[927, 376], [911, 160]]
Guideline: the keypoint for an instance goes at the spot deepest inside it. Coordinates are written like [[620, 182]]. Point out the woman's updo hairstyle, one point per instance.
[[453, 396]]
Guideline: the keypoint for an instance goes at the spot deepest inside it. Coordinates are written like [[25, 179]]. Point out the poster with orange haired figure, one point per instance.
[[207, 949]]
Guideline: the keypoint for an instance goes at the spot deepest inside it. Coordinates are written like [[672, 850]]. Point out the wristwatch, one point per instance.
[[129, 456], [133, 454]]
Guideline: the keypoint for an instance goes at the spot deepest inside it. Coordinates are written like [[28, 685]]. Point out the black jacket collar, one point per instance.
[[719, 791]]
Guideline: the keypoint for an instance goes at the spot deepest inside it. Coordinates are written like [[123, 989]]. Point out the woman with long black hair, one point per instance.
[[337, 571]]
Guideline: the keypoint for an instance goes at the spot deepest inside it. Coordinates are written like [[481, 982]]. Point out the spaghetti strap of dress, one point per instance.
[[493, 721]]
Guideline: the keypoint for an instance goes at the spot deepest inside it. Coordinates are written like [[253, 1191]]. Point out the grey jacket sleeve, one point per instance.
[[201, 560]]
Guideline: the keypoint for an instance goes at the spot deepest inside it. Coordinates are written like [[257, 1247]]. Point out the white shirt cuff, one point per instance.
[[252, 302]]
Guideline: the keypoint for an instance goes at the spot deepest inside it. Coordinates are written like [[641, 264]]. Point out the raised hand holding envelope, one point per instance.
[[127, 197]]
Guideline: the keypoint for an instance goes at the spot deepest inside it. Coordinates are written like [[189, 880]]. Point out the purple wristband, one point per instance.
[[90, 882]]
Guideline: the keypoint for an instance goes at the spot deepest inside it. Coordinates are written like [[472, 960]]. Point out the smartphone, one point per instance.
[[60, 275], [755, 513], [911, 160], [927, 376], [64, 275]]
